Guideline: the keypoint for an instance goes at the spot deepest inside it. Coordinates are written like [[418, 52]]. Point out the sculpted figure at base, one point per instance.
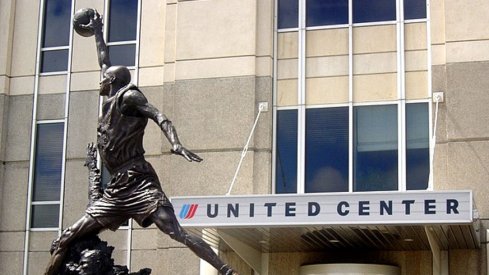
[[89, 255], [134, 190]]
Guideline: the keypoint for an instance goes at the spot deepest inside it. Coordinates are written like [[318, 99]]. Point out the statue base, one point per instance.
[[91, 256]]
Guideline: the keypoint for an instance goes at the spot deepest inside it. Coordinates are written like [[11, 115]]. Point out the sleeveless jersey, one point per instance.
[[119, 136]]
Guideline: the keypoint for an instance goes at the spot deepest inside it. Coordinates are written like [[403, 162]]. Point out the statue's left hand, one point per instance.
[[91, 160], [187, 154]]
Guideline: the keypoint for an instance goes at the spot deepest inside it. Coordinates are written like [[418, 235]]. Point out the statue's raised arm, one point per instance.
[[102, 51], [95, 27]]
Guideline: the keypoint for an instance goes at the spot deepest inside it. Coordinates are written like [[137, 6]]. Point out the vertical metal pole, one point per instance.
[[350, 96], [274, 95], [66, 114], [401, 96], [136, 81], [301, 118], [430, 92], [33, 140]]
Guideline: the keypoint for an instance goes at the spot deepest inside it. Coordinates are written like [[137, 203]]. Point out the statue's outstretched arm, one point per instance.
[[134, 103], [94, 177]]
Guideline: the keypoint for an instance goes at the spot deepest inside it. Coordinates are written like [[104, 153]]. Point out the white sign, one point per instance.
[[325, 209]]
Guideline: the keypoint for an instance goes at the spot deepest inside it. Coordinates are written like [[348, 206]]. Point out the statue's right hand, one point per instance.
[[96, 23]]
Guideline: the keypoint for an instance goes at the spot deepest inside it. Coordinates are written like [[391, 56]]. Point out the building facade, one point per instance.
[[367, 105]]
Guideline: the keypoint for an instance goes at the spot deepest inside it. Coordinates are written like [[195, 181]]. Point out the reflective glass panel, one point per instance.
[[54, 61], [326, 12], [57, 16], [375, 148], [45, 216], [417, 143], [288, 13], [327, 150], [49, 159], [373, 10], [123, 55], [286, 152], [123, 16], [414, 9]]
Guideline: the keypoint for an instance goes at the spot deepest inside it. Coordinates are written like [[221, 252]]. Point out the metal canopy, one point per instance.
[[321, 238], [396, 221]]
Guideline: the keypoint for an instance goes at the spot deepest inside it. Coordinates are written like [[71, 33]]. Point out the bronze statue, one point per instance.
[[134, 190]]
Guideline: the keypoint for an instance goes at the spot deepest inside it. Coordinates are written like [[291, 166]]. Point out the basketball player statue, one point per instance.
[[134, 190]]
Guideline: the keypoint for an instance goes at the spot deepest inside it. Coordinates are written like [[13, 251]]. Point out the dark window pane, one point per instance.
[[327, 150], [54, 61], [326, 12], [57, 18], [45, 216], [288, 13], [375, 148], [286, 155], [414, 9], [123, 54], [123, 16], [417, 143], [49, 158], [373, 10]]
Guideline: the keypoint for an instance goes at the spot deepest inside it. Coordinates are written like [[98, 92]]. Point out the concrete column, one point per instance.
[[440, 257]]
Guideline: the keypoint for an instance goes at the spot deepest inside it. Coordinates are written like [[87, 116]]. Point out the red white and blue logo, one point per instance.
[[188, 211]]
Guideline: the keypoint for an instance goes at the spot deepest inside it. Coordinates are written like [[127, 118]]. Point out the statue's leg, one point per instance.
[[166, 221], [83, 226]]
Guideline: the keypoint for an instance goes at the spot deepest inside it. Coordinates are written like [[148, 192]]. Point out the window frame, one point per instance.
[[354, 136], [275, 117], [319, 25], [329, 106], [399, 17], [44, 49], [34, 124], [135, 41], [401, 143], [31, 200], [401, 100]]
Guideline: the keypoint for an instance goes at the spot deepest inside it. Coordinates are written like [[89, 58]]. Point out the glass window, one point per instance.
[[326, 12], [45, 216], [54, 61], [288, 13], [417, 146], [48, 162], [56, 33], [57, 16], [327, 150], [47, 175], [375, 148], [123, 20], [414, 9], [373, 10], [123, 54], [286, 152]]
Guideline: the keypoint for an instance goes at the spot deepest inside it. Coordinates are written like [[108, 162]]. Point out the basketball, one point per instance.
[[82, 18]]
